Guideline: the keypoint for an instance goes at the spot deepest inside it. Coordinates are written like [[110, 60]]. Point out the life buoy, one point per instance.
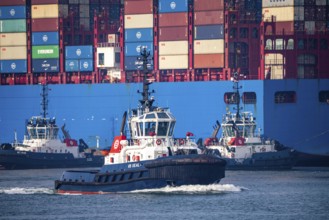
[[158, 142], [181, 141]]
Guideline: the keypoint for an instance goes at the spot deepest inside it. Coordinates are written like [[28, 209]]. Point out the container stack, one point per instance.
[[138, 31], [79, 58], [173, 34], [45, 40], [208, 34], [13, 39]]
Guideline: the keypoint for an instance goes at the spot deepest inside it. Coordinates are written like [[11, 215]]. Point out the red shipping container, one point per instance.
[[138, 7], [173, 33], [173, 19], [209, 60], [208, 5], [44, 24], [208, 17], [12, 2], [41, 2]]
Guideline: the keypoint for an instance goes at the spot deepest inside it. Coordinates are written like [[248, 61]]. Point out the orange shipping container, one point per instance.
[[208, 17], [44, 11], [209, 60], [173, 19]]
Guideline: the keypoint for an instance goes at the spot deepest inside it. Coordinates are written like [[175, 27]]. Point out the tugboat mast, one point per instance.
[[44, 101], [236, 88], [146, 102]]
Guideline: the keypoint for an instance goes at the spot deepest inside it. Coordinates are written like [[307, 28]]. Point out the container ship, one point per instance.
[[86, 50]]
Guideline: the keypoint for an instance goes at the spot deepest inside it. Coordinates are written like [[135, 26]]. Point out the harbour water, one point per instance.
[[301, 193]]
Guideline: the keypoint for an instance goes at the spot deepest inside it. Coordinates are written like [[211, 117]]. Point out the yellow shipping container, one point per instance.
[[173, 62], [173, 47], [45, 11], [208, 46], [139, 21], [13, 53], [13, 39], [280, 13]]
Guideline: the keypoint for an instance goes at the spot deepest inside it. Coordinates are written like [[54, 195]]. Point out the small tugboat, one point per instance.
[[150, 158], [241, 147], [42, 148]]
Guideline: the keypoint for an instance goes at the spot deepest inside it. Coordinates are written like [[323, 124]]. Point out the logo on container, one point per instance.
[[138, 35], [45, 65], [13, 66], [173, 5], [139, 48], [85, 65], [78, 52], [45, 38], [12, 12], [71, 64]]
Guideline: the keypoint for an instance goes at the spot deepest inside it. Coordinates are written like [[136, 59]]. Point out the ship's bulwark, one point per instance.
[[95, 110]]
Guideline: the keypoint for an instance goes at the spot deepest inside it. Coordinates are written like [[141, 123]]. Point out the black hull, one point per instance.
[[281, 160], [172, 171], [311, 160], [13, 160]]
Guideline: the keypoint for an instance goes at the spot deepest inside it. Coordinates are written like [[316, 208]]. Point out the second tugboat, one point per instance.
[[152, 158], [241, 147]]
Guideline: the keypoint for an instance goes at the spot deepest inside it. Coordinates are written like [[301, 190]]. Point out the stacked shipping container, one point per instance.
[[13, 39], [79, 58], [208, 34], [173, 34], [138, 24], [45, 39]]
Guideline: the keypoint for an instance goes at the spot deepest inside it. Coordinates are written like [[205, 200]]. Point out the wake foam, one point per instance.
[[195, 189], [26, 191]]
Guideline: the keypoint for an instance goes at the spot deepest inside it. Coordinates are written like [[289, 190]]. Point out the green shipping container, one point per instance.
[[43, 52], [12, 25]]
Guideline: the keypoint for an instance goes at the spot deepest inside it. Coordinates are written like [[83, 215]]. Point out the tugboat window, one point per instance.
[[230, 98], [171, 130], [149, 128], [162, 128], [324, 97], [249, 98]]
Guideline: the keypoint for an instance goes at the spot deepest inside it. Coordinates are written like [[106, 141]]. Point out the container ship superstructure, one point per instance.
[[89, 47]]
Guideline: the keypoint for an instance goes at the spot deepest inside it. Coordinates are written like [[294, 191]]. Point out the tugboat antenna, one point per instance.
[[236, 87]]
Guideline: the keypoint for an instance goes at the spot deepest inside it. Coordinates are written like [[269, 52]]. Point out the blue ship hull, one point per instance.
[[95, 110], [11, 159], [280, 160], [161, 172]]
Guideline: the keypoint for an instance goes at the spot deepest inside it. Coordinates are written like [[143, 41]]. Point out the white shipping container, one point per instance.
[[63, 11], [321, 2], [280, 13], [45, 11], [208, 46], [173, 47], [112, 38], [13, 39], [277, 3], [173, 62], [13, 53], [277, 71], [139, 21], [106, 57], [84, 11]]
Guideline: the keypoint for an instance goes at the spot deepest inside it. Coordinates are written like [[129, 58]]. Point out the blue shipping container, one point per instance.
[[13, 66], [134, 49], [79, 52], [86, 65], [138, 34], [71, 65], [45, 38], [12, 12], [45, 65], [205, 32], [132, 63], [168, 6]]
